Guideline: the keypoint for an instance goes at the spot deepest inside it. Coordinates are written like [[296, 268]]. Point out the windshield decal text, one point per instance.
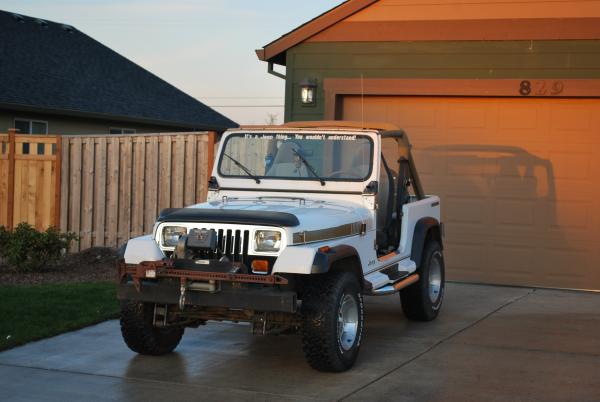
[[317, 137]]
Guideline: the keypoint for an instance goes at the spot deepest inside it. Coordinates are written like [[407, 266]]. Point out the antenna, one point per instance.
[[362, 108], [362, 101]]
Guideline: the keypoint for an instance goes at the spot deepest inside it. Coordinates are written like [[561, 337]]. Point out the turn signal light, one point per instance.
[[260, 266]]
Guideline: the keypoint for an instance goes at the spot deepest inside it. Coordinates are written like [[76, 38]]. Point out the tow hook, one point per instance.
[[182, 290], [259, 323]]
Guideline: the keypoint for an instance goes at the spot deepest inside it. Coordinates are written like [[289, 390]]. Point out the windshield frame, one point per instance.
[[311, 178]]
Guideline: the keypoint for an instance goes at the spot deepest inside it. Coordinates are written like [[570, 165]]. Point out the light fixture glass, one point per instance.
[[308, 88]]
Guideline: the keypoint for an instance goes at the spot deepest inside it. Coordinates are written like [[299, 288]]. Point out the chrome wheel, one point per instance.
[[347, 322], [435, 278]]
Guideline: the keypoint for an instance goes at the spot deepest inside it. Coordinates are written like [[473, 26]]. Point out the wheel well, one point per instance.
[[426, 228], [434, 233], [349, 264]]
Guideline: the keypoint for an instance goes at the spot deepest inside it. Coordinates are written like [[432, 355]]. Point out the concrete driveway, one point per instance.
[[489, 344]]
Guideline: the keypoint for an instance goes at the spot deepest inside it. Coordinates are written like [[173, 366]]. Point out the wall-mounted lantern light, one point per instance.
[[308, 89]]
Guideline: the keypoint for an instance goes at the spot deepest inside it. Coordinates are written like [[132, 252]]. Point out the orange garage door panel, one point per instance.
[[519, 181]]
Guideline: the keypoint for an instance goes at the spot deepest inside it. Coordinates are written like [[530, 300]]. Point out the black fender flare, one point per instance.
[[325, 259], [423, 227]]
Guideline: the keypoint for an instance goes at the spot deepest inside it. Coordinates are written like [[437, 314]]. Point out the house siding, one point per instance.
[[577, 59], [78, 126]]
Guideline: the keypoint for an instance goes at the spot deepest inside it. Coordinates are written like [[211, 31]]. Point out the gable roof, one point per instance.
[[275, 51], [58, 69], [450, 20]]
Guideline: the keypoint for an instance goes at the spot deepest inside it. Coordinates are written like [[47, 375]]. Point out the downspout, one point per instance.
[[271, 71]]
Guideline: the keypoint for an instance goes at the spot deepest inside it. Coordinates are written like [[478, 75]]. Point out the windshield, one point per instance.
[[323, 157]]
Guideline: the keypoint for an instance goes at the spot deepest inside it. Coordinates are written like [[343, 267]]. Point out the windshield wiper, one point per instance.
[[244, 168], [309, 166]]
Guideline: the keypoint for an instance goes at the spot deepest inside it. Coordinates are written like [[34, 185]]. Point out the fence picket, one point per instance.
[[112, 196], [101, 171], [151, 188]]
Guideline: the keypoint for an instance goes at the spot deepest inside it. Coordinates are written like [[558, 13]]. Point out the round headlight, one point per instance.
[[171, 235], [267, 240]]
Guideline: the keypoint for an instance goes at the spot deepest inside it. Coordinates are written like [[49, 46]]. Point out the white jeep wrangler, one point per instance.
[[301, 221]]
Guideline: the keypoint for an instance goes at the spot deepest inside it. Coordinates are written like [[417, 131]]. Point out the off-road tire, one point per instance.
[[416, 302], [141, 335], [321, 303]]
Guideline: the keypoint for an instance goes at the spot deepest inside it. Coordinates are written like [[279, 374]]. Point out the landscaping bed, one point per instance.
[[96, 264]]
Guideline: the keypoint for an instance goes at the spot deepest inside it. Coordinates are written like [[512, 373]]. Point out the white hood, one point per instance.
[[312, 214]]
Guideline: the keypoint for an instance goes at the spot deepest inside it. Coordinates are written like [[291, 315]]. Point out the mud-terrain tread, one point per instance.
[[319, 308], [141, 336], [415, 298]]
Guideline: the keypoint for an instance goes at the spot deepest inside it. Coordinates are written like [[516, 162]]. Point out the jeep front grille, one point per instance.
[[232, 244]]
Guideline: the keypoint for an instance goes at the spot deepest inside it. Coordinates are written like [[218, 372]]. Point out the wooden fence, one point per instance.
[[29, 180], [114, 186]]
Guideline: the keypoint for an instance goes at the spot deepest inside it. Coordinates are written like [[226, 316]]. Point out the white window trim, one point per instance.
[[31, 121]]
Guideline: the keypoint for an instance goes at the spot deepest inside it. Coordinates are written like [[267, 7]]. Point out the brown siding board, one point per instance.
[[318, 24], [446, 20], [488, 29]]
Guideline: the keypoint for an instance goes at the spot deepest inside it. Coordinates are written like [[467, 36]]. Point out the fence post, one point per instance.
[[57, 180], [11, 177], [210, 152]]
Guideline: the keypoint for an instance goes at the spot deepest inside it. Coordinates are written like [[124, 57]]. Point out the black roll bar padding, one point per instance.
[[402, 139]]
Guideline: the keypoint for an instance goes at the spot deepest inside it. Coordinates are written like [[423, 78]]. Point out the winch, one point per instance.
[[198, 243]]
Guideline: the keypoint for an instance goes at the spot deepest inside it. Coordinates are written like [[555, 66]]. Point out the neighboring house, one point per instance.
[[501, 100], [55, 79]]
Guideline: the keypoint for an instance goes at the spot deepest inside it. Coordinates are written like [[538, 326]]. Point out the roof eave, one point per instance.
[[110, 117], [275, 51]]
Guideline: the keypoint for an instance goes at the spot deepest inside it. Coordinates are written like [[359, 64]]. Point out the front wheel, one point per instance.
[[140, 334], [332, 321], [422, 301]]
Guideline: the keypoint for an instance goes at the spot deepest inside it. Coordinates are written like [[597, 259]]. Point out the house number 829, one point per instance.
[[541, 88]]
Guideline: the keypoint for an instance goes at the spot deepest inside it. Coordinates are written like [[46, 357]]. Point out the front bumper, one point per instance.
[[162, 283]]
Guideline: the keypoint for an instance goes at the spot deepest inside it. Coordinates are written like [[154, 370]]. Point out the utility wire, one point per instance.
[[245, 105], [241, 97]]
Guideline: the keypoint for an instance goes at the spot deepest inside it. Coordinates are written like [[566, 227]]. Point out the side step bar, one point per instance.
[[391, 289]]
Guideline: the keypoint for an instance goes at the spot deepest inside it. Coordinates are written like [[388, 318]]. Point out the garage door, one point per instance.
[[519, 181]]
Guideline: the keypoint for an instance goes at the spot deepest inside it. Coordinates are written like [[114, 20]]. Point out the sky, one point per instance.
[[203, 47]]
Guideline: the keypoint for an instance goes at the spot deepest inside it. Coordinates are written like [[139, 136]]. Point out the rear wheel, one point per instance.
[[422, 301], [140, 334], [332, 321]]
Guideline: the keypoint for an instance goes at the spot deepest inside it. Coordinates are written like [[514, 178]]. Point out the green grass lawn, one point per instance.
[[28, 313]]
